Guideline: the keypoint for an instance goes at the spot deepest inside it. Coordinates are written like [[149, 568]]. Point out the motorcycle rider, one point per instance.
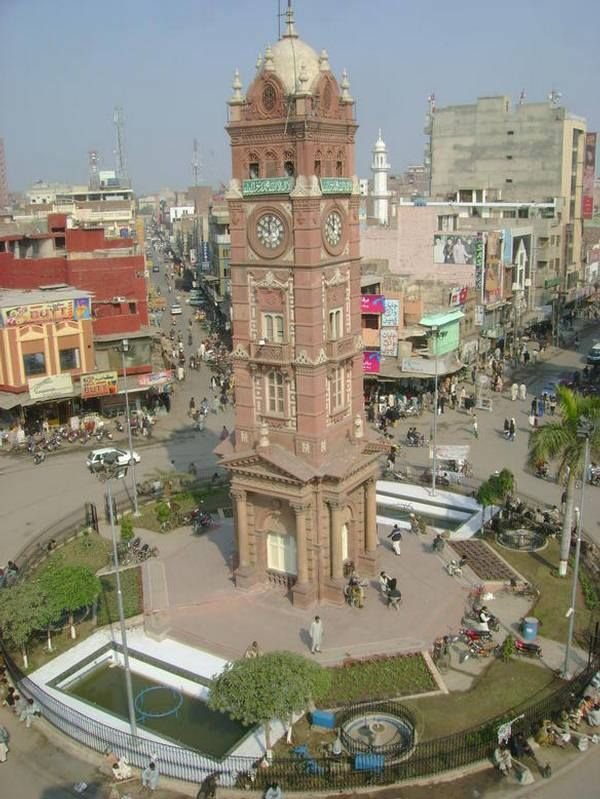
[[484, 617]]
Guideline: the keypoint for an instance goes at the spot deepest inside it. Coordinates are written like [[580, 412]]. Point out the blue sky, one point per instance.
[[65, 65]]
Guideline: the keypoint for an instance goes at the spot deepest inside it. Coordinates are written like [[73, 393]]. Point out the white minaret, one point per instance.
[[381, 196]]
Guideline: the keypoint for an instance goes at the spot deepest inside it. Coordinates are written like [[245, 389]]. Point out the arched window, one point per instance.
[[275, 393], [340, 165], [281, 553], [253, 166], [289, 164], [271, 165], [318, 163]]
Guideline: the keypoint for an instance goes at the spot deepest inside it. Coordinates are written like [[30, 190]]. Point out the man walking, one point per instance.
[[512, 429], [150, 776], [396, 536], [475, 425], [3, 743], [316, 634]]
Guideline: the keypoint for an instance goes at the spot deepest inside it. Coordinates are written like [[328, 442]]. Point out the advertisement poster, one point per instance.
[[455, 249], [371, 362], [372, 303], [458, 296], [100, 384], [41, 312], [391, 315], [589, 174], [493, 275], [479, 315], [507, 247], [389, 341], [479, 266]]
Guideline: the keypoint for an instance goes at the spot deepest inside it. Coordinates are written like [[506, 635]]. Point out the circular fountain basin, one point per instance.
[[522, 539], [388, 731]]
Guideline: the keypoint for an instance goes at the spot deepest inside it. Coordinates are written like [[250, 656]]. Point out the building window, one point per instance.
[[510, 133], [253, 170], [509, 180], [289, 169], [271, 166], [509, 157], [275, 399], [281, 553], [132, 307], [69, 359], [336, 385], [317, 169], [336, 324], [339, 169], [34, 364], [272, 327]]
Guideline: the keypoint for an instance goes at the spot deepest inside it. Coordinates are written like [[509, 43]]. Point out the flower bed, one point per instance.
[[378, 677]]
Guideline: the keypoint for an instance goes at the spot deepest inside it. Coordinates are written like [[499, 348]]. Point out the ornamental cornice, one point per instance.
[[336, 279], [306, 187], [234, 190], [240, 353], [270, 282]]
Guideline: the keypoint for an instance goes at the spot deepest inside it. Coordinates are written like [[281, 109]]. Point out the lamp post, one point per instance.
[[124, 351], [585, 429], [107, 470]]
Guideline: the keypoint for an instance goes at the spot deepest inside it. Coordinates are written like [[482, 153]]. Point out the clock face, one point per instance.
[[333, 228], [270, 231]]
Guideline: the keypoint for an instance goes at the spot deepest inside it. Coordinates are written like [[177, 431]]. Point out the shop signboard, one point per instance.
[[156, 378], [422, 366], [391, 314], [478, 260], [51, 387], [388, 341], [507, 246], [99, 384], [372, 303], [493, 274], [371, 362], [589, 173], [40, 312], [479, 315]]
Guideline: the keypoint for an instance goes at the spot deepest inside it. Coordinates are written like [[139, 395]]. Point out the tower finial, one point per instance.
[[290, 25]]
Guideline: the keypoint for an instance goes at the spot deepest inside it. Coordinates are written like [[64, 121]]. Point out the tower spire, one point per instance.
[[290, 25]]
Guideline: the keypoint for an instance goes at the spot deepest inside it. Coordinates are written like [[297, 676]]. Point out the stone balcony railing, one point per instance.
[[339, 348], [270, 353]]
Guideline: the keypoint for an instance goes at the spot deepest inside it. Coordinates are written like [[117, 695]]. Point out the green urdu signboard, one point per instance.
[[259, 186]]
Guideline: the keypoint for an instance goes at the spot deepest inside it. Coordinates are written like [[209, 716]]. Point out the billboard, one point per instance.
[[507, 246], [521, 258], [371, 362], [388, 341], [391, 315], [372, 303], [589, 173], [40, 312], [455, 248], [100, 384], [492, 286], [479, 265]]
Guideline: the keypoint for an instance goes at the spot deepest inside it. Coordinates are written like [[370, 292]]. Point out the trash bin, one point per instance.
[[529, 628]]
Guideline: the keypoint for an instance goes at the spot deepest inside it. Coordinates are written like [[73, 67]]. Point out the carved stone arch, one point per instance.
[[289, 163], [253, 163], [318, 168]]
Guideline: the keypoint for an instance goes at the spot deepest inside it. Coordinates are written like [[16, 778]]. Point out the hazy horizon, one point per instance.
[[64, 67]]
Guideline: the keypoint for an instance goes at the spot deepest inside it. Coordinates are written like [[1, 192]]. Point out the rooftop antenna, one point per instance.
[[281, 14], [120, 158], [522, 97], [554, 97]]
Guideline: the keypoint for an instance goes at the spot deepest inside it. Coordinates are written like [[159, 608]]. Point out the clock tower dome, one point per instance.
[[303, 470]]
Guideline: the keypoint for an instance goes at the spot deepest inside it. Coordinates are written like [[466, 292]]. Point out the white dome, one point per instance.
[[380, 145], [292, 57]]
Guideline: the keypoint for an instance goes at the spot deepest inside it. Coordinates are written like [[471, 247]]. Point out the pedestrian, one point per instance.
[[514, 392], [316, 634], [473, 375], [3, 743], [208, 788], [526, 357], [563, 501], [396, 536], [475, 426], [462, 397], [512, 429], [506, 428], [552, 405], [522, 391], [150, 776], [30, 712], [192, 408], [274, 791], [253, 650], [215, 404], [534, 405]]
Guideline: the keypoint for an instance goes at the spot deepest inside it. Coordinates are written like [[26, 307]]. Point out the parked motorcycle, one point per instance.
[[527, 648], [39, 456], [119, 426], [474, 621], [202, 522], [469, 634], [455, 567]]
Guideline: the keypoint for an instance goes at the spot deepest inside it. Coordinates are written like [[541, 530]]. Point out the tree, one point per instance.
[[23, 610], [495, 489], [272, 686], [558, 439], [127, 531], [69, 588]]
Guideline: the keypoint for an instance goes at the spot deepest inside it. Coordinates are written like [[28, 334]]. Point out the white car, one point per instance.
[[176, 309], [111, 455]]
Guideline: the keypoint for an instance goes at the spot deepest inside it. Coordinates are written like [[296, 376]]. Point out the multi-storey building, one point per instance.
[[493, 151]]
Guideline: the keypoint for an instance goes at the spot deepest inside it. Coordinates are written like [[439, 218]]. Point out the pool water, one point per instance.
[[439, 522], [181, 718]]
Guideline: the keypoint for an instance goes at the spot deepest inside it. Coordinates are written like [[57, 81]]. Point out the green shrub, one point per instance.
[[127, 532], [508, 648], [163, 512]]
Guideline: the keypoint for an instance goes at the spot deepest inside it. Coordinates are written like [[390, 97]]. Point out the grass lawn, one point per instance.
[[500, 687], [380, 677], [37, 651], [211, 499], [540, 568], [87, 550], [133, 602]]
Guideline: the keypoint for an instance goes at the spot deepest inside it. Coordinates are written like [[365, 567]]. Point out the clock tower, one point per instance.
[[303, 470]]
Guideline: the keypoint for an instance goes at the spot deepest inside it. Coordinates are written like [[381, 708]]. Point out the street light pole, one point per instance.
[[584, 430], [128, 685], [434, 333], [124, 350]]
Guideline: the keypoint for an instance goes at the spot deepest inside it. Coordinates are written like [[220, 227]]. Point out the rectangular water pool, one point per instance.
[[162, 710]]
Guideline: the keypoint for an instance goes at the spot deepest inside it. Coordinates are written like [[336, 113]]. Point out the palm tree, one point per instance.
[[559, 439]]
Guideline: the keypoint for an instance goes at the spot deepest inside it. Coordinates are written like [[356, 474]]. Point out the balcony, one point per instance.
[[222, 238], [340, 348], [270, 353]]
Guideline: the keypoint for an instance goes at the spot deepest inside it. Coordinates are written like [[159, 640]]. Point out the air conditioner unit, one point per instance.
[[527, 282], [119, 299]]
